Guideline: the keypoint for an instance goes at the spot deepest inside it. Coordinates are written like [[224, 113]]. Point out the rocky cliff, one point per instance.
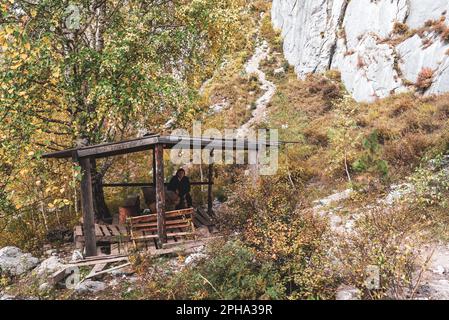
[[381, 47]]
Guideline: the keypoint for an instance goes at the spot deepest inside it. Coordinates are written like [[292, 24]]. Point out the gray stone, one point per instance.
[[336, 197], [90, 286], [45, 287], [194, 258], [5, 297], [397, 193], [14, 262], [77, 255], [49, 266]]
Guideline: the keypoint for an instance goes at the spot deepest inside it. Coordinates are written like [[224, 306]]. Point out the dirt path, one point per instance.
[[253, 67]]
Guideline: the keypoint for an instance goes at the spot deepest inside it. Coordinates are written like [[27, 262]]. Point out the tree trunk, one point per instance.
[[101, 22], [102, 212]]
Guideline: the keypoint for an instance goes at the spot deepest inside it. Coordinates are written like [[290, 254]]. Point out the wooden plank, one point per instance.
[[147, 237], [204, 215], [114, 230], [109, 239], [102, 258], [88, 207], [78, 231], [209, 187], [178, 234], [169, 214], [169, 241], [115, 248], [167, 223], [171, 227], [97, 268], [105, 230], [203, 220], [58, 276], [62, 274], [94, 262], [177, 247], [107, 150], [184, 242], [160, 192], [197, 222], [108, 270], [98, 232]]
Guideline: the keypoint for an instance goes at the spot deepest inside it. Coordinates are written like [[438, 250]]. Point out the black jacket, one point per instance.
[[183, 186]]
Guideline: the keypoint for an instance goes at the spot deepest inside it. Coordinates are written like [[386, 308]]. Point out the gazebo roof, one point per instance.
[[148, 143]]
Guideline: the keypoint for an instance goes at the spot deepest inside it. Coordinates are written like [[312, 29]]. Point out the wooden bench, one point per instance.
[[178, 224]]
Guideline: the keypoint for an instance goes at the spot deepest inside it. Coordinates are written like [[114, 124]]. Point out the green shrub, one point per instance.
[[230, 271], [431, 183], [386, 240], [371, 159], [269, 218]]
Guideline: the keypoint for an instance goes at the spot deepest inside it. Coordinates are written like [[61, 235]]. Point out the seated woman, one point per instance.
[[180, 184]]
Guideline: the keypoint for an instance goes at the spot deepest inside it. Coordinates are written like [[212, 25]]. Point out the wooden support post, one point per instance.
[[88, 208], [209, 189], [154, 167], [160, 193]]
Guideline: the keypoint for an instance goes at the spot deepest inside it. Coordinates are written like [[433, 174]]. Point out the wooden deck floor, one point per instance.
[[117, 237]]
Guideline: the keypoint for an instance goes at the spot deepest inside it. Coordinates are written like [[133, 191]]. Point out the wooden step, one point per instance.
[[167, 223], [153, 217]]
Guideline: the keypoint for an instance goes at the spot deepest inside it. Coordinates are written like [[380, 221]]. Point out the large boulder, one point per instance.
[[14, 262]]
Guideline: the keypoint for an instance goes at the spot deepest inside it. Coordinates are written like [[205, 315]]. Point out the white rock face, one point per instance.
[[353, 37], [14, 262], [309, 29], [423, 10]]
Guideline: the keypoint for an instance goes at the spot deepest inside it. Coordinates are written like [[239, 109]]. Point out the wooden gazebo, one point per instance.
[[85, 156]]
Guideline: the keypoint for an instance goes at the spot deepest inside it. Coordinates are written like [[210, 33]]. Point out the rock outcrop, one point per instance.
[[14, 262], [380, 46]]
